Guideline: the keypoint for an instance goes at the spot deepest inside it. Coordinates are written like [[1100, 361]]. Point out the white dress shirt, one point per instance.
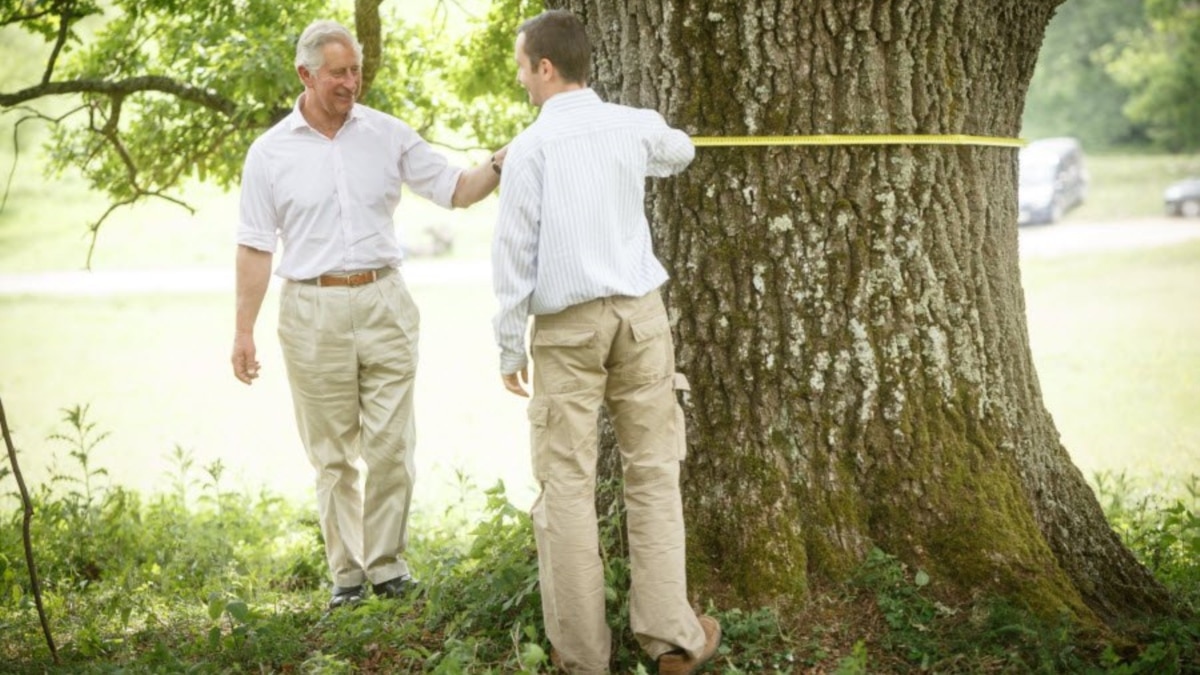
[[572, 224], [331, 201]]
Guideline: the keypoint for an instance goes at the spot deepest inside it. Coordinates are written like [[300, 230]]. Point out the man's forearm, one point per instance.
[[253, 275], [474, 184]]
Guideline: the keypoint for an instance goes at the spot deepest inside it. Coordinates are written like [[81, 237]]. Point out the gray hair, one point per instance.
[[317, 35]]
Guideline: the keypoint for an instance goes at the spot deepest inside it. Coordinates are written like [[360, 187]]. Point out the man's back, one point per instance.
[[577, 193]]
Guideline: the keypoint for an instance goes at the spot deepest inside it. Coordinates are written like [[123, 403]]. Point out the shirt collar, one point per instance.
[[296, 120], [569, 100]]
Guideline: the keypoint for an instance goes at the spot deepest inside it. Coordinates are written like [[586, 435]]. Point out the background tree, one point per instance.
[[851, 317], [1072, 92], [145, 95], [1160, 65], [491, 107]]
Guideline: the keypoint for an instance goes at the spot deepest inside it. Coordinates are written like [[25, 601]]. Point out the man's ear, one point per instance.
[[546, 69], [305, 75]]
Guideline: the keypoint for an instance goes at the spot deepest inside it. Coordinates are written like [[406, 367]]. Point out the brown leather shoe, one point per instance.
[[556, 661], [679, 663]]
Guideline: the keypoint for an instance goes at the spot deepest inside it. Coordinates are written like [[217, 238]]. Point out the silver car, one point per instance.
[[1053, 180], [1183, 198]]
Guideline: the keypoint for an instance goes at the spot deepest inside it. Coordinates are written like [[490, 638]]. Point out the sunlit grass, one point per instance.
[[155, 368], [1114, 337], [1116, 341], [1131, 185]]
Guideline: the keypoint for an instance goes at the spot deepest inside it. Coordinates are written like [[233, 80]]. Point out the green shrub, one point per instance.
[[201, 579]]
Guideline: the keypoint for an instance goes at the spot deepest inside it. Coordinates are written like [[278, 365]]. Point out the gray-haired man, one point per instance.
[[325, 182]]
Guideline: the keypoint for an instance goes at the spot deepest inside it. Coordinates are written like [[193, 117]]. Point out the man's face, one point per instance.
[[529, 75], [335, 84]]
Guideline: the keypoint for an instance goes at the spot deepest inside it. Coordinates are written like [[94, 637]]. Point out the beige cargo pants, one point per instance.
[[616, 351], [351, 356]]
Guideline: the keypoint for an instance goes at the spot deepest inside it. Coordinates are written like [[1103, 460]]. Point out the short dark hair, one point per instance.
[[558, 36]]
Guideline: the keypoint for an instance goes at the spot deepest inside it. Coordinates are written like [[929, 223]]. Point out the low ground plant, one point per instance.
[[203, 579]]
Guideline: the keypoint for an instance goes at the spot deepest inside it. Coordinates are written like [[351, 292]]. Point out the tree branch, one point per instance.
[[64, 32], [31, 115], [28, 511], [131, 85], [22, 18]]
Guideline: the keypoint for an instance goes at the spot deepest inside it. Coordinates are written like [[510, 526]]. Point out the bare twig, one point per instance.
[[32, 114], [28, 509], [94, 228]]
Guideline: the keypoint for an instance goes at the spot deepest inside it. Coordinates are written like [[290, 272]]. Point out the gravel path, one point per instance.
[[1068, 238]]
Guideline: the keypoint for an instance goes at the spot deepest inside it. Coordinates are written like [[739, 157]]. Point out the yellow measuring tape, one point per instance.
[[858, 139]]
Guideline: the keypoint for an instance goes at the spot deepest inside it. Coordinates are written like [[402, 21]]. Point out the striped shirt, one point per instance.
[[572, 224], [331, 201]]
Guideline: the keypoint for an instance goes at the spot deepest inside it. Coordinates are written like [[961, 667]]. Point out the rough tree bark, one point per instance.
[[851, 318]]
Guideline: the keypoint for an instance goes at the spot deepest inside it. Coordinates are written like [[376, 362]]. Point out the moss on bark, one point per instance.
[[851, 318]]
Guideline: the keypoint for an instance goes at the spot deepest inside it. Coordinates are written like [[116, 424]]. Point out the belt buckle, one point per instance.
[[352, 280]]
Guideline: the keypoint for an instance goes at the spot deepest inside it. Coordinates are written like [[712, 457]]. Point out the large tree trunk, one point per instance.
[[851, 318], [370, 34]]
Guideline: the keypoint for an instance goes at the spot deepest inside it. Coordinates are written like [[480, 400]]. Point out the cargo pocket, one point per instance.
[[681, 385], [539, 423], [653, 356], [559, 354]]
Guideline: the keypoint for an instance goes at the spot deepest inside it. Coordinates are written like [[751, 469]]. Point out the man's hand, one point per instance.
[[245, 365], [512, 381]]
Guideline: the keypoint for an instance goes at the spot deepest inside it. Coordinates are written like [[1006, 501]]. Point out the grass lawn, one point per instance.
[[1114, 337], [155, 371], [1126, 186], [1116, 341]]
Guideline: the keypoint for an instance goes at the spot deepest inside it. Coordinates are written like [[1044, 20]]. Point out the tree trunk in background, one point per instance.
[[851, 318], [368, 30]]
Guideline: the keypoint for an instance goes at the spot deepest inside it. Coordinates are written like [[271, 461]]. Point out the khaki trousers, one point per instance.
[[351, 356], [616, 351]]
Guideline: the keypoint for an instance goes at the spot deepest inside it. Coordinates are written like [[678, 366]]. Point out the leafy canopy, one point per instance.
[[1160, 65], [160, 92]]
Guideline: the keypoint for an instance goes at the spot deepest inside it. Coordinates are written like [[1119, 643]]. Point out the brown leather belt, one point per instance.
[[352, 279]]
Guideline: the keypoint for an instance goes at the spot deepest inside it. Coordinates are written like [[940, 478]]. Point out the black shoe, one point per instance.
[[395, 588], [345, 595]]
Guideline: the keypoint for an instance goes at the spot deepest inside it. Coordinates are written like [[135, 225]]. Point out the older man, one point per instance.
[[325, 182]]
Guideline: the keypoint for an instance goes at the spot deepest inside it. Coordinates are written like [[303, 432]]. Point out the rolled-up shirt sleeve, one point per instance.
[[257, 220], [671, 150], [426, 172], [514, 260]]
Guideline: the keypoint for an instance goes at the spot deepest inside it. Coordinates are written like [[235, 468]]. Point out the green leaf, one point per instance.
[[215, 606], [238, 610], [532, 654]]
